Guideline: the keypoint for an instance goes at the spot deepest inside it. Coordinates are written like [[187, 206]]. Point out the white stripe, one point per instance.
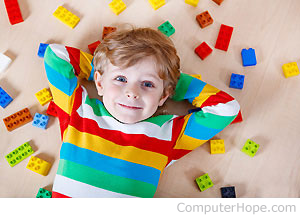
[[60, 51], [73, 188], [229, 109], [105, 122], [172, 161]]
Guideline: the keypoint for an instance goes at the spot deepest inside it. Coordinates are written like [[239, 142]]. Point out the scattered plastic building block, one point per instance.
[[217, 146], [66, 17], [166, 28], [250, 148], [107, 30], [44, 96], [92, 47], [249, 57], [40, 121], [204, 19], [203, 50], [51, 110], [43, 193], [237, 81], [224, 37], [42, 49], [38, 165], [5, 99], [19, 154], [157, 3], [290, 69], [204, 182], [4, 62], [192, 2], [228, 192], [219, 2], [13, 11], [17, 119], [117, 6]]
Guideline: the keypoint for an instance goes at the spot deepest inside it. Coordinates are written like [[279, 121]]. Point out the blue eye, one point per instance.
[[148, 84], [120, 78]]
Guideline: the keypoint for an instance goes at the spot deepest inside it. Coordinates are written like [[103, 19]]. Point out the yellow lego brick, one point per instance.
[[38, 165], [44, 96], [217, 146], [66, 17], [117, 6], [290, 69], [192, 2], [157, 3]]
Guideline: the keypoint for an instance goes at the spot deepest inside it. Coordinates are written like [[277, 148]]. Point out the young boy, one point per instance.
[[116, 148]]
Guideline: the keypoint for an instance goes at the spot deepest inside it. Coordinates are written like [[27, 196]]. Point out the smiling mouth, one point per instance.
[[129, 107]]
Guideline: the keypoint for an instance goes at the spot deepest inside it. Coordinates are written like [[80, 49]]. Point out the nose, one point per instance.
[[132, 92]]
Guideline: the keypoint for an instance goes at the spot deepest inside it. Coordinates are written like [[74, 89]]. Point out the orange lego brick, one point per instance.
[[17, 119], [204, 19], [219, 2], [107, 30]]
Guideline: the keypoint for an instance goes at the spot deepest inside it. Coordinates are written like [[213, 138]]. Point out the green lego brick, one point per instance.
[[250, 148], [166, 28], [19, 154], [204, 182], [43, 193]]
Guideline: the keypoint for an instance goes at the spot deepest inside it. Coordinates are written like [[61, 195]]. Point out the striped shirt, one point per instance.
[[102, 157]]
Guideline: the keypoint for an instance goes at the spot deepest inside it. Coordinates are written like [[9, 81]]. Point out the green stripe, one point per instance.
[[104, 180], [213, 121], [182, 86], [159, 120], [58, 64], [98, 108]]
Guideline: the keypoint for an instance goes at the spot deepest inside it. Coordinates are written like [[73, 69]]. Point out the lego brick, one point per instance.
[[224, 37], [228, 192], [19, 154], [44, 96], [157, 3], [192, 2], [42, 49], [248, 57], [51, 110], [290, 69], [43, 193], [107, 30], [13, 11], [38, 165], [203, 50], [117, 6], [237, 81], [92, 47], [40, 120], [5, 99], [66, 17], [166, 28], [4, 62], [17, 119], [204, 19], [204, 182], [250, 148], [219, 2], [217, 146]]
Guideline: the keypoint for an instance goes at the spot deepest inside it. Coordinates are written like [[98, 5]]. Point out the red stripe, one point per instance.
[[220, 97], [58, 195], [74, 55], [238, 118]]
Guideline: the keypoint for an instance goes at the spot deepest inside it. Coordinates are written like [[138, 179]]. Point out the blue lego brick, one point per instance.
[[40, 120], [249, 57], [228, 192], [42, 49], [237, 81], [5, 99]]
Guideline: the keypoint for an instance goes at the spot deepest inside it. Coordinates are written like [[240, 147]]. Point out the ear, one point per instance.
[[98, 81], [164, 97]]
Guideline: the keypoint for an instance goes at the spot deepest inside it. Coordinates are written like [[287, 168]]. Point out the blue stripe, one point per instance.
[[195, 88], [60, 82], [91, 78], [109, 164], [198, 131]]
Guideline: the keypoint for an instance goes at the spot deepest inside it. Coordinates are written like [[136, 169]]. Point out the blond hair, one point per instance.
[[127, 47]]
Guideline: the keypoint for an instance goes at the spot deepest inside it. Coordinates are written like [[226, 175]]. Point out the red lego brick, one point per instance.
[[93, 46], [219, 2], [203, 50], [51, 110], [107, 30], [204, 19], [13, 11], [17, 119], [224, 37]]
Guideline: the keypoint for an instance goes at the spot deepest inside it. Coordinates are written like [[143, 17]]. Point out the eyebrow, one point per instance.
[[149, 75]]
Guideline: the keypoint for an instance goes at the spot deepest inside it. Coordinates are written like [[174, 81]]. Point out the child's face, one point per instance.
[[133, 94]]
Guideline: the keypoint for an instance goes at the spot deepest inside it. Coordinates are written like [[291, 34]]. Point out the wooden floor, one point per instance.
[[270, 102]]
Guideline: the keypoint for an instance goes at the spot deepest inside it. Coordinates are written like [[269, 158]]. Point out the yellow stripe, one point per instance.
[[85, 64], [108, 148], [207, 91], [62, 100]]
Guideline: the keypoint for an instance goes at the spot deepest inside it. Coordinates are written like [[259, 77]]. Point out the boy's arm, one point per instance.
[[218, 110]]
